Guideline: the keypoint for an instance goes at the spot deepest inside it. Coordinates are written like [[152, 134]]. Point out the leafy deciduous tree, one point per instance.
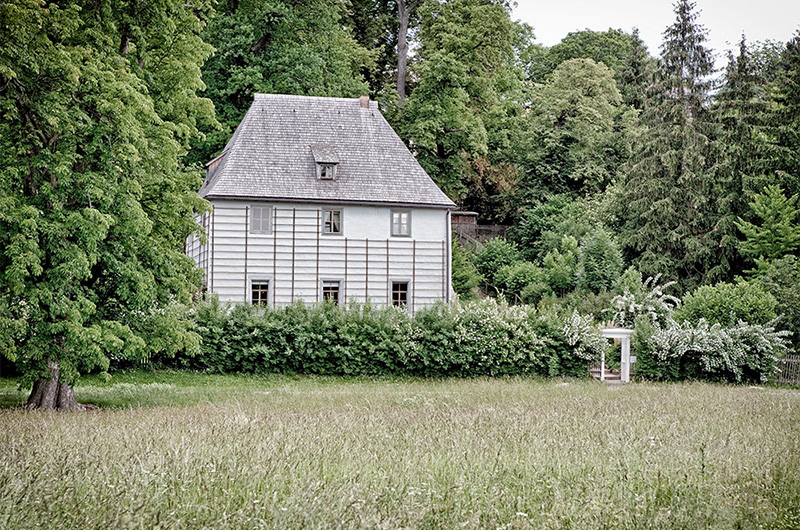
[[97, 108], [277, 47]]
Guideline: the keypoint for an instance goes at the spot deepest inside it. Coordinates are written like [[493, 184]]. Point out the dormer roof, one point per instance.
[[324, 154], [274, 152]]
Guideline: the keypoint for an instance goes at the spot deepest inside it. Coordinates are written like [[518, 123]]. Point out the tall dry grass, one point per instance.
[[333, 453]]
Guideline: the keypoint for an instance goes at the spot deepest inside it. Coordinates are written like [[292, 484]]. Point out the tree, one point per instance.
[[96, 113], [374, 25], [766, 57], [465, 276], [277, 47], [743, 151], [611, 48], [404, 11], [635, 76], [466, 60], [599, 261], [786, 116], [669, 221], [575, 125], [778, 233]]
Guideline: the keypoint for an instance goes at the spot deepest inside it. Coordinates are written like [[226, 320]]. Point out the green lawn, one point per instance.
[[175, 450]]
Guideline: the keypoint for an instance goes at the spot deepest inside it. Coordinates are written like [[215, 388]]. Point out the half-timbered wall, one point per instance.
[[296, 257]]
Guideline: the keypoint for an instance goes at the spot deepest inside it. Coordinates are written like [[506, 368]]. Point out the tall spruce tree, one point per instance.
[[666, 195], [786, 117], [97, 107], [636, 74], [743, 151]]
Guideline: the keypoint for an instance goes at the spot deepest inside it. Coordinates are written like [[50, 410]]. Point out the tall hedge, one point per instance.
[[470, 339]]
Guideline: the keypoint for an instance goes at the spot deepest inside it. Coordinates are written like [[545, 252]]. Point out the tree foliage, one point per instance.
[[670, 221], [97, 109], [611, 47], [464, 64], [278, 47], [778, 231], [575, 137], [786, 116]]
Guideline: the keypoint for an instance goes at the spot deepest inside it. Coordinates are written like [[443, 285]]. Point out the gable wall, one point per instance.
[[295, 258]]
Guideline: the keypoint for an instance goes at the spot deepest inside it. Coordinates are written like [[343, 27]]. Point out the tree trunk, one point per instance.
[[52, 394], [403, 14]]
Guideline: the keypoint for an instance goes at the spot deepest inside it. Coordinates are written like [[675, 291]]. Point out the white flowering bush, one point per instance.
[[582, 335], [745, 352], [651, 302]]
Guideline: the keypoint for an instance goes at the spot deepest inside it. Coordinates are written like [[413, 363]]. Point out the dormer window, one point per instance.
[[326, 171], [327, 160]]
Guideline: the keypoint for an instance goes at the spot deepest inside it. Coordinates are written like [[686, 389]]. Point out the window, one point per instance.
[[326, 171], [260, 293], [401, 223], [330, 291], [400, 294], [331, 221], [260, 219]]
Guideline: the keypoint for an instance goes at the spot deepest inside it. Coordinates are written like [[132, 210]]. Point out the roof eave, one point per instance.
[[450, 206]]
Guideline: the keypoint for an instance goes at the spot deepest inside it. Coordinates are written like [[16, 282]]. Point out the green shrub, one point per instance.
[[465, 275], [495, 254], [560, 266], [599, 261], [512, 279], [728, 303], [542, 228], [781, 278], [535, 292]]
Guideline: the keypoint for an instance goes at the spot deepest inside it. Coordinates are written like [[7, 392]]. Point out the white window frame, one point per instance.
[[326, 170]]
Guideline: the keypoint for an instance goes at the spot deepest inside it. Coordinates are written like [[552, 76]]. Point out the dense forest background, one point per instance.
[[591, 142]]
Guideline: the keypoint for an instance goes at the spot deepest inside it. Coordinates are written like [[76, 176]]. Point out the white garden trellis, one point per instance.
[[624, 335]]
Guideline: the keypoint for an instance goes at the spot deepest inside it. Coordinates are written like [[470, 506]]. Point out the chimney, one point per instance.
[[364, 102]]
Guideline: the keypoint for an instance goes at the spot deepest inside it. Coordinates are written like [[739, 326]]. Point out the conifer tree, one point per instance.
[[786, 118], [743, 152], [665, 199], [777, 232], [636, 74]]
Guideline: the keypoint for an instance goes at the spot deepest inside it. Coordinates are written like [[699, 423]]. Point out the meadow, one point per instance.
[[180, 450]]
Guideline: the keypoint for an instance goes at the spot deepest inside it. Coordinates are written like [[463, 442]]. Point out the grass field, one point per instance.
[[188, 451]]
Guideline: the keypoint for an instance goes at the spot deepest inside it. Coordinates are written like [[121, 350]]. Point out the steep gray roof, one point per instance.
[[272, 153]]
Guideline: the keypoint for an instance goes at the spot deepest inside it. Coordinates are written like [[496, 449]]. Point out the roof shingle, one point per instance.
[[271, 155]]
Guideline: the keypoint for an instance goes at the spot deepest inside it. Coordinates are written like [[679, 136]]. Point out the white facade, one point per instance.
[[294, 257]]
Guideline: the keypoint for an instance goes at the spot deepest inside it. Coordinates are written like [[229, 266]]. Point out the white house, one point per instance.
[[318, 198]]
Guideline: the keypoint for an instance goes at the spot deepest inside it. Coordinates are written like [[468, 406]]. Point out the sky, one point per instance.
[[725, 20]]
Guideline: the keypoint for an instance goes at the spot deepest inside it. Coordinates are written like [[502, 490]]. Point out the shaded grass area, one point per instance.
[[297, 452]]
